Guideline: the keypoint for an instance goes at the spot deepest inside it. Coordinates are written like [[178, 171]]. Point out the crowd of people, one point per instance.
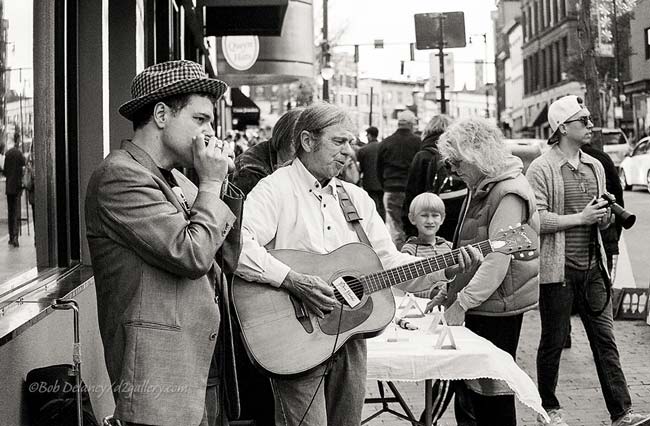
[[153, 235]]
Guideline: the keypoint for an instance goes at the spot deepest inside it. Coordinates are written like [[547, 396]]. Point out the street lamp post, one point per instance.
[[326, 66]]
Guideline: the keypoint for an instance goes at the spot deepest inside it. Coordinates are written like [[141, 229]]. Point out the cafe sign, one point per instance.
[[240, 52]]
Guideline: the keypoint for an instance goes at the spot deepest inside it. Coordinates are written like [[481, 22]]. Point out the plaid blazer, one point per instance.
[[154, 269]]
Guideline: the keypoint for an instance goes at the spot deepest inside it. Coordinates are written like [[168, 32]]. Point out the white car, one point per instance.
[[526, 149], [635, 168], [614, 143]]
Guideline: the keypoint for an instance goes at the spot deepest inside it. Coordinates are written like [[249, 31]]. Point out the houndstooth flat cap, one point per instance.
[[167, 79]]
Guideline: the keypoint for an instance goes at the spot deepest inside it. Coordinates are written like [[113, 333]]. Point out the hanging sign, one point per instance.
[[240, 52]]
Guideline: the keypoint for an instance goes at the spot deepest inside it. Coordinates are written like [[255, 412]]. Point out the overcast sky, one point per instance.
[[362, 21], [20, 53], [358, 22]]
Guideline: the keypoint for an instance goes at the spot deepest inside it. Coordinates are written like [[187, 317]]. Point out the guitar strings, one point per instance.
[[394, 273]]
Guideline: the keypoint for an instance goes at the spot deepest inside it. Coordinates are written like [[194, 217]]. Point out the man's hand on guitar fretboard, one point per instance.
[[315, 293]]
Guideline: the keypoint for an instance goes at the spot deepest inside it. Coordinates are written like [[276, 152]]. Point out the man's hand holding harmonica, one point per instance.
[[212, 161]]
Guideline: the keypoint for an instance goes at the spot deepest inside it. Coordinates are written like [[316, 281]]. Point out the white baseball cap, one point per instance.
[[560, 111]]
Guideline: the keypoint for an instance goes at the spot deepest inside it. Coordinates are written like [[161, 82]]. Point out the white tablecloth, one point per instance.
[[413, 358]]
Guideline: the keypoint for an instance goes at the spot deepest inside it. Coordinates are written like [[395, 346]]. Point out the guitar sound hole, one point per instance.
[[356, 287]]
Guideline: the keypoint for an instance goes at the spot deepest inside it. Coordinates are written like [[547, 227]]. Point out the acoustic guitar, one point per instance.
[[283, 338]]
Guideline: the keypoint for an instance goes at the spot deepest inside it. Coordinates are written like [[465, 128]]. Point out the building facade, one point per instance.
[[512, 116], [550, 39], [473, 103], [638, 89], [382, 99], [507, 12]]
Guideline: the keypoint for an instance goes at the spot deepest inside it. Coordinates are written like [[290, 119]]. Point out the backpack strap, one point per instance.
[[351, 214]]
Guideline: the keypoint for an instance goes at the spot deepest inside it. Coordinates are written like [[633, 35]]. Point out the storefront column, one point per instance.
[[126, 59]]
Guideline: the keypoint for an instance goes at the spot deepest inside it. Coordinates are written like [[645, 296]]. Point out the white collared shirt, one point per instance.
[[290, 210]]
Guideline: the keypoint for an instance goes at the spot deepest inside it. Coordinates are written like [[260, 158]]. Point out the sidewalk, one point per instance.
[[578, 387], [16, 260]]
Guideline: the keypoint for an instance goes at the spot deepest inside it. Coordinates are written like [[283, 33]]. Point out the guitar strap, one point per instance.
[[350, 213]]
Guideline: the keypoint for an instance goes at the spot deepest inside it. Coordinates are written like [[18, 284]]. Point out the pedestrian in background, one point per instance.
[[13, 171], [568, 186], [367, 158], [264, 158], [612, 234], [422, 174], [393, 160]]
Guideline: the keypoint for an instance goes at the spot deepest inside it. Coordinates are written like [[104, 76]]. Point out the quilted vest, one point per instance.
[[519, 290]]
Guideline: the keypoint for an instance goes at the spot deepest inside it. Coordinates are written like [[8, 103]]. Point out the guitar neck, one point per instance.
[[390, 277]]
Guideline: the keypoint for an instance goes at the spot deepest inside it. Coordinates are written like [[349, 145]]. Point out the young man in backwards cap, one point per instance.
[[153, 237], [568, 186]]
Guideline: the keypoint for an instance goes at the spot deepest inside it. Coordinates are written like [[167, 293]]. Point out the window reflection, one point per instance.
[[17, 233]]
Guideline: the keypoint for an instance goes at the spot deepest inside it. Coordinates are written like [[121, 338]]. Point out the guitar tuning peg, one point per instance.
[[521, 255], [518, 224], [512, 256], [509, 226], [530, 253]]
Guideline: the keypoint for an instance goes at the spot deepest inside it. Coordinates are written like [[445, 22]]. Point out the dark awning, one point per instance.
[[541, 117], [637, 86], [245, 17], [244, 110]]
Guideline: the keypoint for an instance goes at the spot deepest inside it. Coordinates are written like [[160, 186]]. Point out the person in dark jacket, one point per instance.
[[13, 171], [612, 234], [262, 159], [421, 174], [367, 158], [393, 160]]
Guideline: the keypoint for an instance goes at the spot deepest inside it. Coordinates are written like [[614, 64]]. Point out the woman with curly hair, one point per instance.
[[491, 299]]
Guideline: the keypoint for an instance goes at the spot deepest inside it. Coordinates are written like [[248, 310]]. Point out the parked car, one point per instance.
[[526, 149], [635, 167], [613, 142]]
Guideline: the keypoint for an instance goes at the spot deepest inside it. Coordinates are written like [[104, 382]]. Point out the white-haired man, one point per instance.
[[298, 207], [568, 187]]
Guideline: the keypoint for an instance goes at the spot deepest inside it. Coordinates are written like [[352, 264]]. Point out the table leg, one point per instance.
[[402, 403], [428, 402]]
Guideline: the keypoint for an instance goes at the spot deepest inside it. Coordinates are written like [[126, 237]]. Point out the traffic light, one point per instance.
[[401, 68], [412, 49]]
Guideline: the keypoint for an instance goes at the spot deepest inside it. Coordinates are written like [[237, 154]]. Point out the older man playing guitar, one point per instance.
[[288, 311]]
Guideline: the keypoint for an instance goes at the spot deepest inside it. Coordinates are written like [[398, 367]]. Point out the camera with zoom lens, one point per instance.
[[626, 219]]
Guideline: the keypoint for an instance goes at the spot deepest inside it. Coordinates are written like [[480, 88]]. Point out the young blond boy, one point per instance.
[[426, 213]]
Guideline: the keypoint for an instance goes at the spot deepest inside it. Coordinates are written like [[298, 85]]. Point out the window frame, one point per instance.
[[57, 229]]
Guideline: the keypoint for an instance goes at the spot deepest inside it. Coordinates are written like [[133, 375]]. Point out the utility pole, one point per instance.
[[20, 103], [588, 59], [370, 114], [326, 53], [441, 55], [617, 72]]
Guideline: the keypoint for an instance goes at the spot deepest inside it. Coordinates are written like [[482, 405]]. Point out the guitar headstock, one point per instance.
[[519, 241]]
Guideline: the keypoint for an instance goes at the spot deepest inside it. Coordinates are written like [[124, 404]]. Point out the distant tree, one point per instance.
[[598, 72]]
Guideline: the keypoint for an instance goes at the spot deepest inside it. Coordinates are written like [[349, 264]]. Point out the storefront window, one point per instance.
[[17, 231]]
